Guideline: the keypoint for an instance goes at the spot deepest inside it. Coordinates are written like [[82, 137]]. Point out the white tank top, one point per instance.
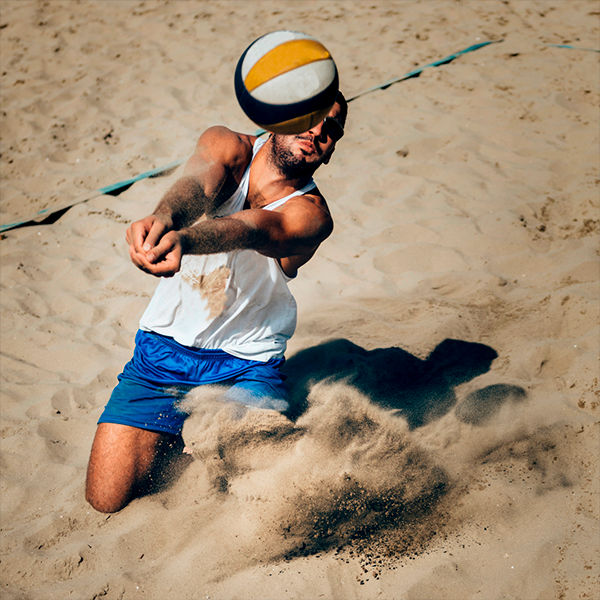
[[237, 301]]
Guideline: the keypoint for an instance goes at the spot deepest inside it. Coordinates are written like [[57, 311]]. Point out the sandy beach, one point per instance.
[[443, 442]]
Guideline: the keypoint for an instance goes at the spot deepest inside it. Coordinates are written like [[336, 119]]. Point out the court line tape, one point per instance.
[[418, 71], [42, 215], [46, 213], [574, 47]]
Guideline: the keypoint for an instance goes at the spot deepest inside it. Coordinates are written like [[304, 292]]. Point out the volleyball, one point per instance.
[[286, 82]]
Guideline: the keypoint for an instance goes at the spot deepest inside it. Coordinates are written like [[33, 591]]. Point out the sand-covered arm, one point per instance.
[[295, 230], [210, 176]]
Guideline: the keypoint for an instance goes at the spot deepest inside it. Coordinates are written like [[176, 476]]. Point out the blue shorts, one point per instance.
[[162, 371]]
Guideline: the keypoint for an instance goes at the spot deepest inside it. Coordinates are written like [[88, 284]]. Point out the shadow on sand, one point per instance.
[[421, 390]]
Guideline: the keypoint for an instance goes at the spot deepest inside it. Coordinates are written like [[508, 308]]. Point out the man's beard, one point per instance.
[[292, 167]]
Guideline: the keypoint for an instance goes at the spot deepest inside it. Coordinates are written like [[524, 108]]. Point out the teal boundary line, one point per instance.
[[573, 47], [48, 212], [419, 70], [127, 182]]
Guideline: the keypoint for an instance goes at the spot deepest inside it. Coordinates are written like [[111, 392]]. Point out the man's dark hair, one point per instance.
[[341, 100]]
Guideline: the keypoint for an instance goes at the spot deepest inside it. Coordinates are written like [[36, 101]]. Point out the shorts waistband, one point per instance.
[[203, 353]]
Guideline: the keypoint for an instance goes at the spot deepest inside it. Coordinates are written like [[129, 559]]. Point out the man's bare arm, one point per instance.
[[205, 183], [296, 231]]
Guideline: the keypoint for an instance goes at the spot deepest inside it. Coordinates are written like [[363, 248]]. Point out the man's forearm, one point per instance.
[[221, 235], [184, 203], [270, 233]]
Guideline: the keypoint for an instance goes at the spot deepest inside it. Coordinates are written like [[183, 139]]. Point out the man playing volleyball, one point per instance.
[[225, 240]]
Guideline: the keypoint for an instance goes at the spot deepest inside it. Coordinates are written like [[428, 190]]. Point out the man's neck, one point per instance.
[[267, 182]]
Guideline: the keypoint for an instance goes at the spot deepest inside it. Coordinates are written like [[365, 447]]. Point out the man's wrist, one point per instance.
[[184, 240], [166, 218]]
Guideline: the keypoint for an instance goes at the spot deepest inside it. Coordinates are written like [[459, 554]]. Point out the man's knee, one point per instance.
[[120, 457], [107, 488], [121, 462], [103, 502]]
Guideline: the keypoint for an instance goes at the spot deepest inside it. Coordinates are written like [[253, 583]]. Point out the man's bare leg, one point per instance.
[[121, 462]]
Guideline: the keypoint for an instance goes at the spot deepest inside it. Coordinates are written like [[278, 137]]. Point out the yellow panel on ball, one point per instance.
[[284, 58]]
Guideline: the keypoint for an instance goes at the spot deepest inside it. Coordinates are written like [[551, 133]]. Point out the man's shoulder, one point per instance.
[[312, 196], [225, 145], [311, 203], [220, 132], [220, 152]]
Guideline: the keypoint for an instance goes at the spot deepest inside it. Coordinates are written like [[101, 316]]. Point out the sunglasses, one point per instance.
[[333, 128]]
